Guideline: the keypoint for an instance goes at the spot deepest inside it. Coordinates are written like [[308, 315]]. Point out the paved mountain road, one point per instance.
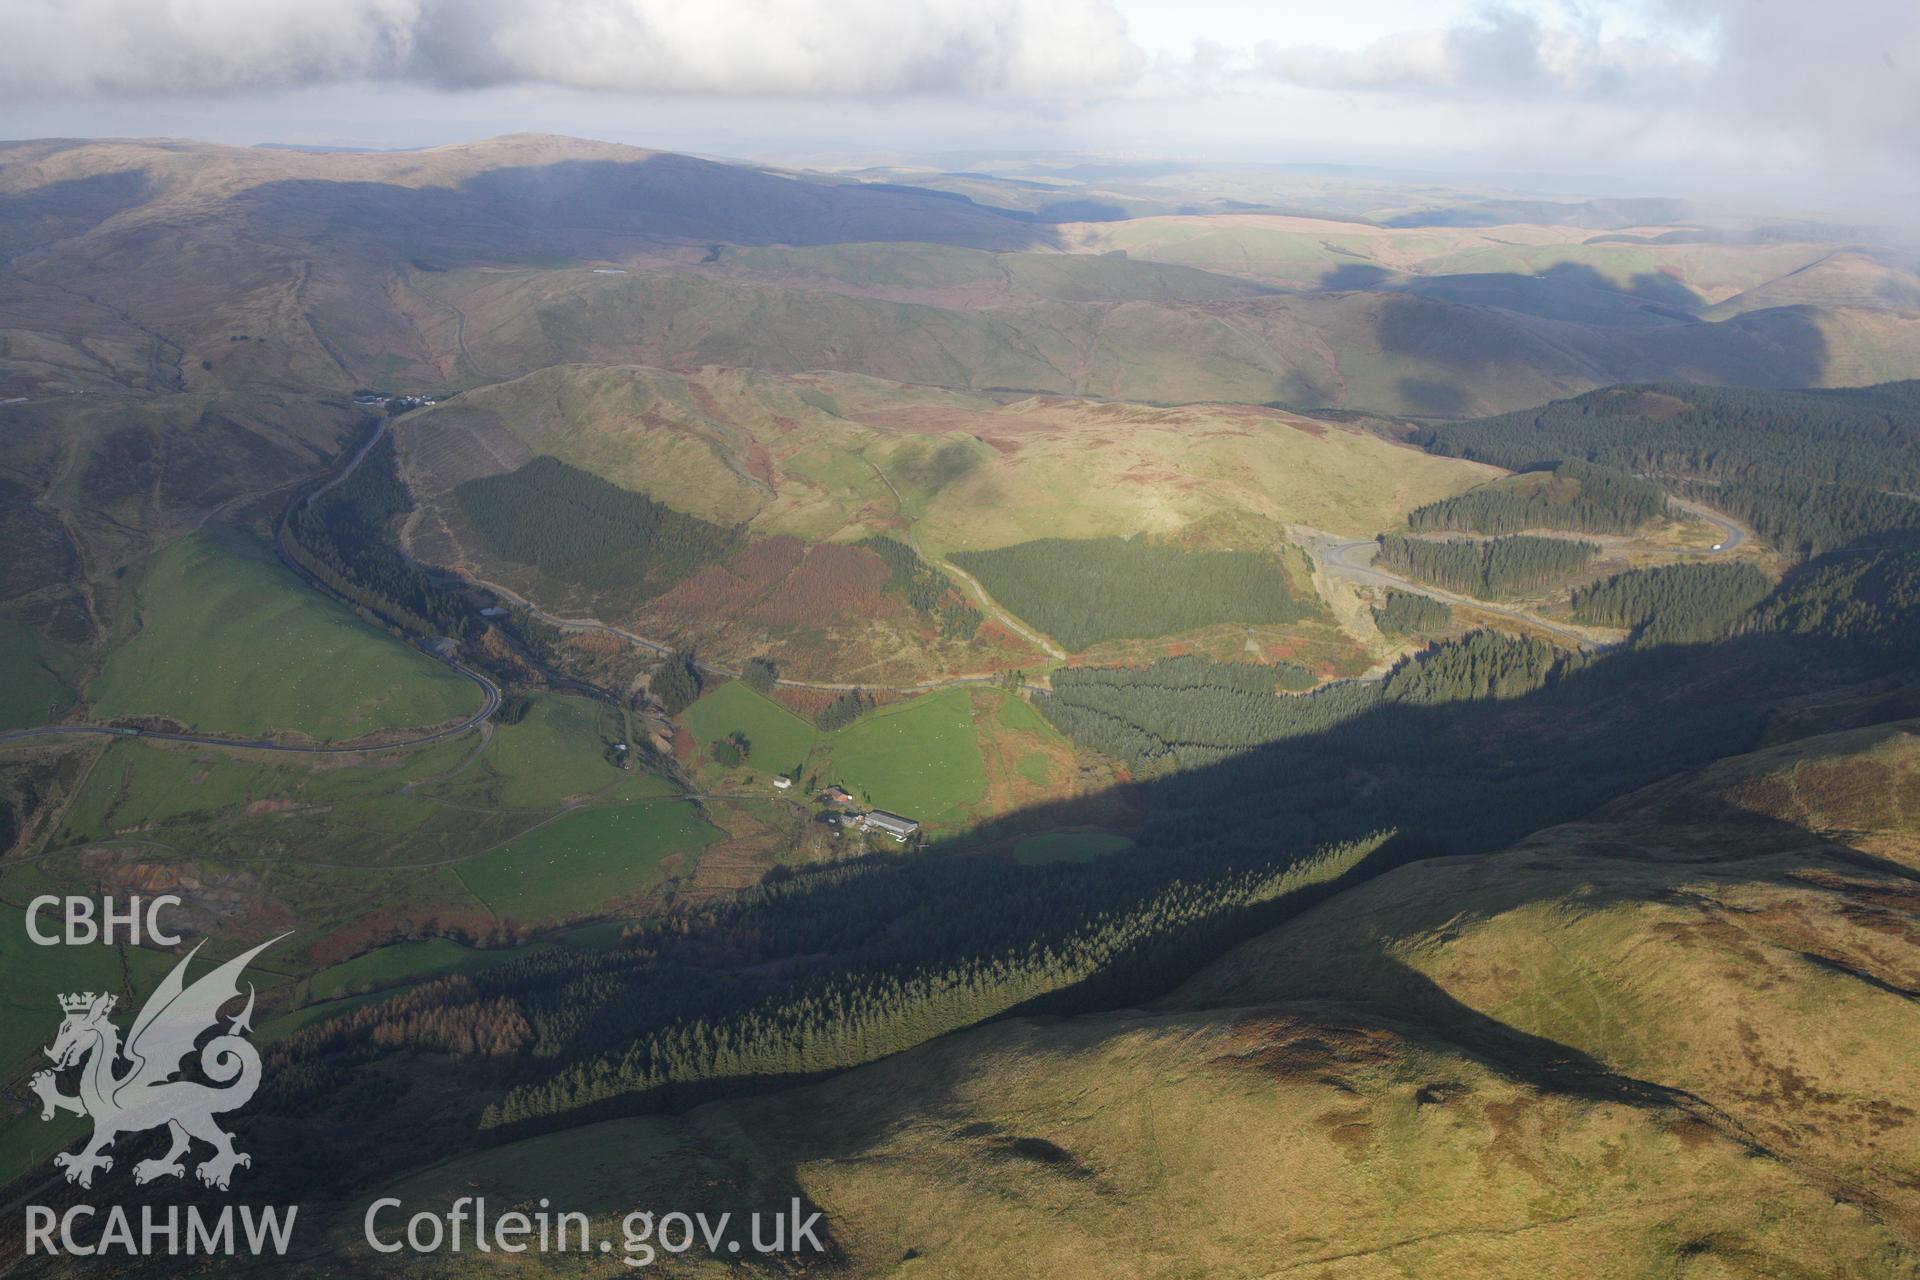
[[1341, 557], [491, 704], [1731, 534]]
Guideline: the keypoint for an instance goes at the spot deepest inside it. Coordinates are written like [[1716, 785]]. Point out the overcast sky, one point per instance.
[[1817, 100]]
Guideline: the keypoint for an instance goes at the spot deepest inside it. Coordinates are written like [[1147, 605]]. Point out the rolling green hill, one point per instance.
[[825, 456], [1383, 351], [1723, 935], [1238, 941], [833, 459], [175, 266], [1660, 1041]]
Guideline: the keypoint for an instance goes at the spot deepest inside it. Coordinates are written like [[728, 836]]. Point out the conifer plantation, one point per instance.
[[1804, 517], [675, 683], [1673, 604], [929, 592], [1085, 591], [1406, 613], [1572, 495], [1190, 716], [1864, 600], [341, 538], [575, 526], [1491, 569], [843, 710], [1809, 470]]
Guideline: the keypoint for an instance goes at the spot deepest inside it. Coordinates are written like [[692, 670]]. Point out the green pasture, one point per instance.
[[1017, 714], [33, 692], [229, 640], [138, 784], [780, 740], [557, 751], [580, 863], [919, 757]]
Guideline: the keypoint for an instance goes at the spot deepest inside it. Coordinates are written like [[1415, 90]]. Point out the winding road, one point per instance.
[[266, 744], [1731, 534], [490, 702], [1342, 559], [1353, 560]]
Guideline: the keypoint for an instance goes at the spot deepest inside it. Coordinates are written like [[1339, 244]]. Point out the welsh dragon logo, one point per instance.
[[129, 1088]]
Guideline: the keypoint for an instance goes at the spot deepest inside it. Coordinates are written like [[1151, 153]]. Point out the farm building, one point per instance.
[[782, 783], [891, 823], [837, 795]]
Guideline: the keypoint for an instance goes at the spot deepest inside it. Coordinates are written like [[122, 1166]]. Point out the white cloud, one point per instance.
[[1502, 52], [1775, 97], [116, 47], [1037, 48], [1842, 75]]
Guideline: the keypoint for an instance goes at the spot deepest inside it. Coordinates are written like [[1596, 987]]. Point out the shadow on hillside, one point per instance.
[[1482, 343], [1458, 778], [1662, 291], [1081, 211], [1570, 291], [939, 1102], [597, 208], [1353, 277], [1469, 776], [70, 207], [1433, 398], [1325, 1025]]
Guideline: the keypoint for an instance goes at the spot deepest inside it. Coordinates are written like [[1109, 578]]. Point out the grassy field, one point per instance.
[[34, 692], [339, 842], [228, 640], [555, 752], [918, 758], [944, 758], [29, 1014], [136, 785], [1018, 715], [581, 863], [781, 741], [1068, 846]]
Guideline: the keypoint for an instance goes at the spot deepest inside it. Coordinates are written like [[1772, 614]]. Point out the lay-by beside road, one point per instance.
[[1351, 560]]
